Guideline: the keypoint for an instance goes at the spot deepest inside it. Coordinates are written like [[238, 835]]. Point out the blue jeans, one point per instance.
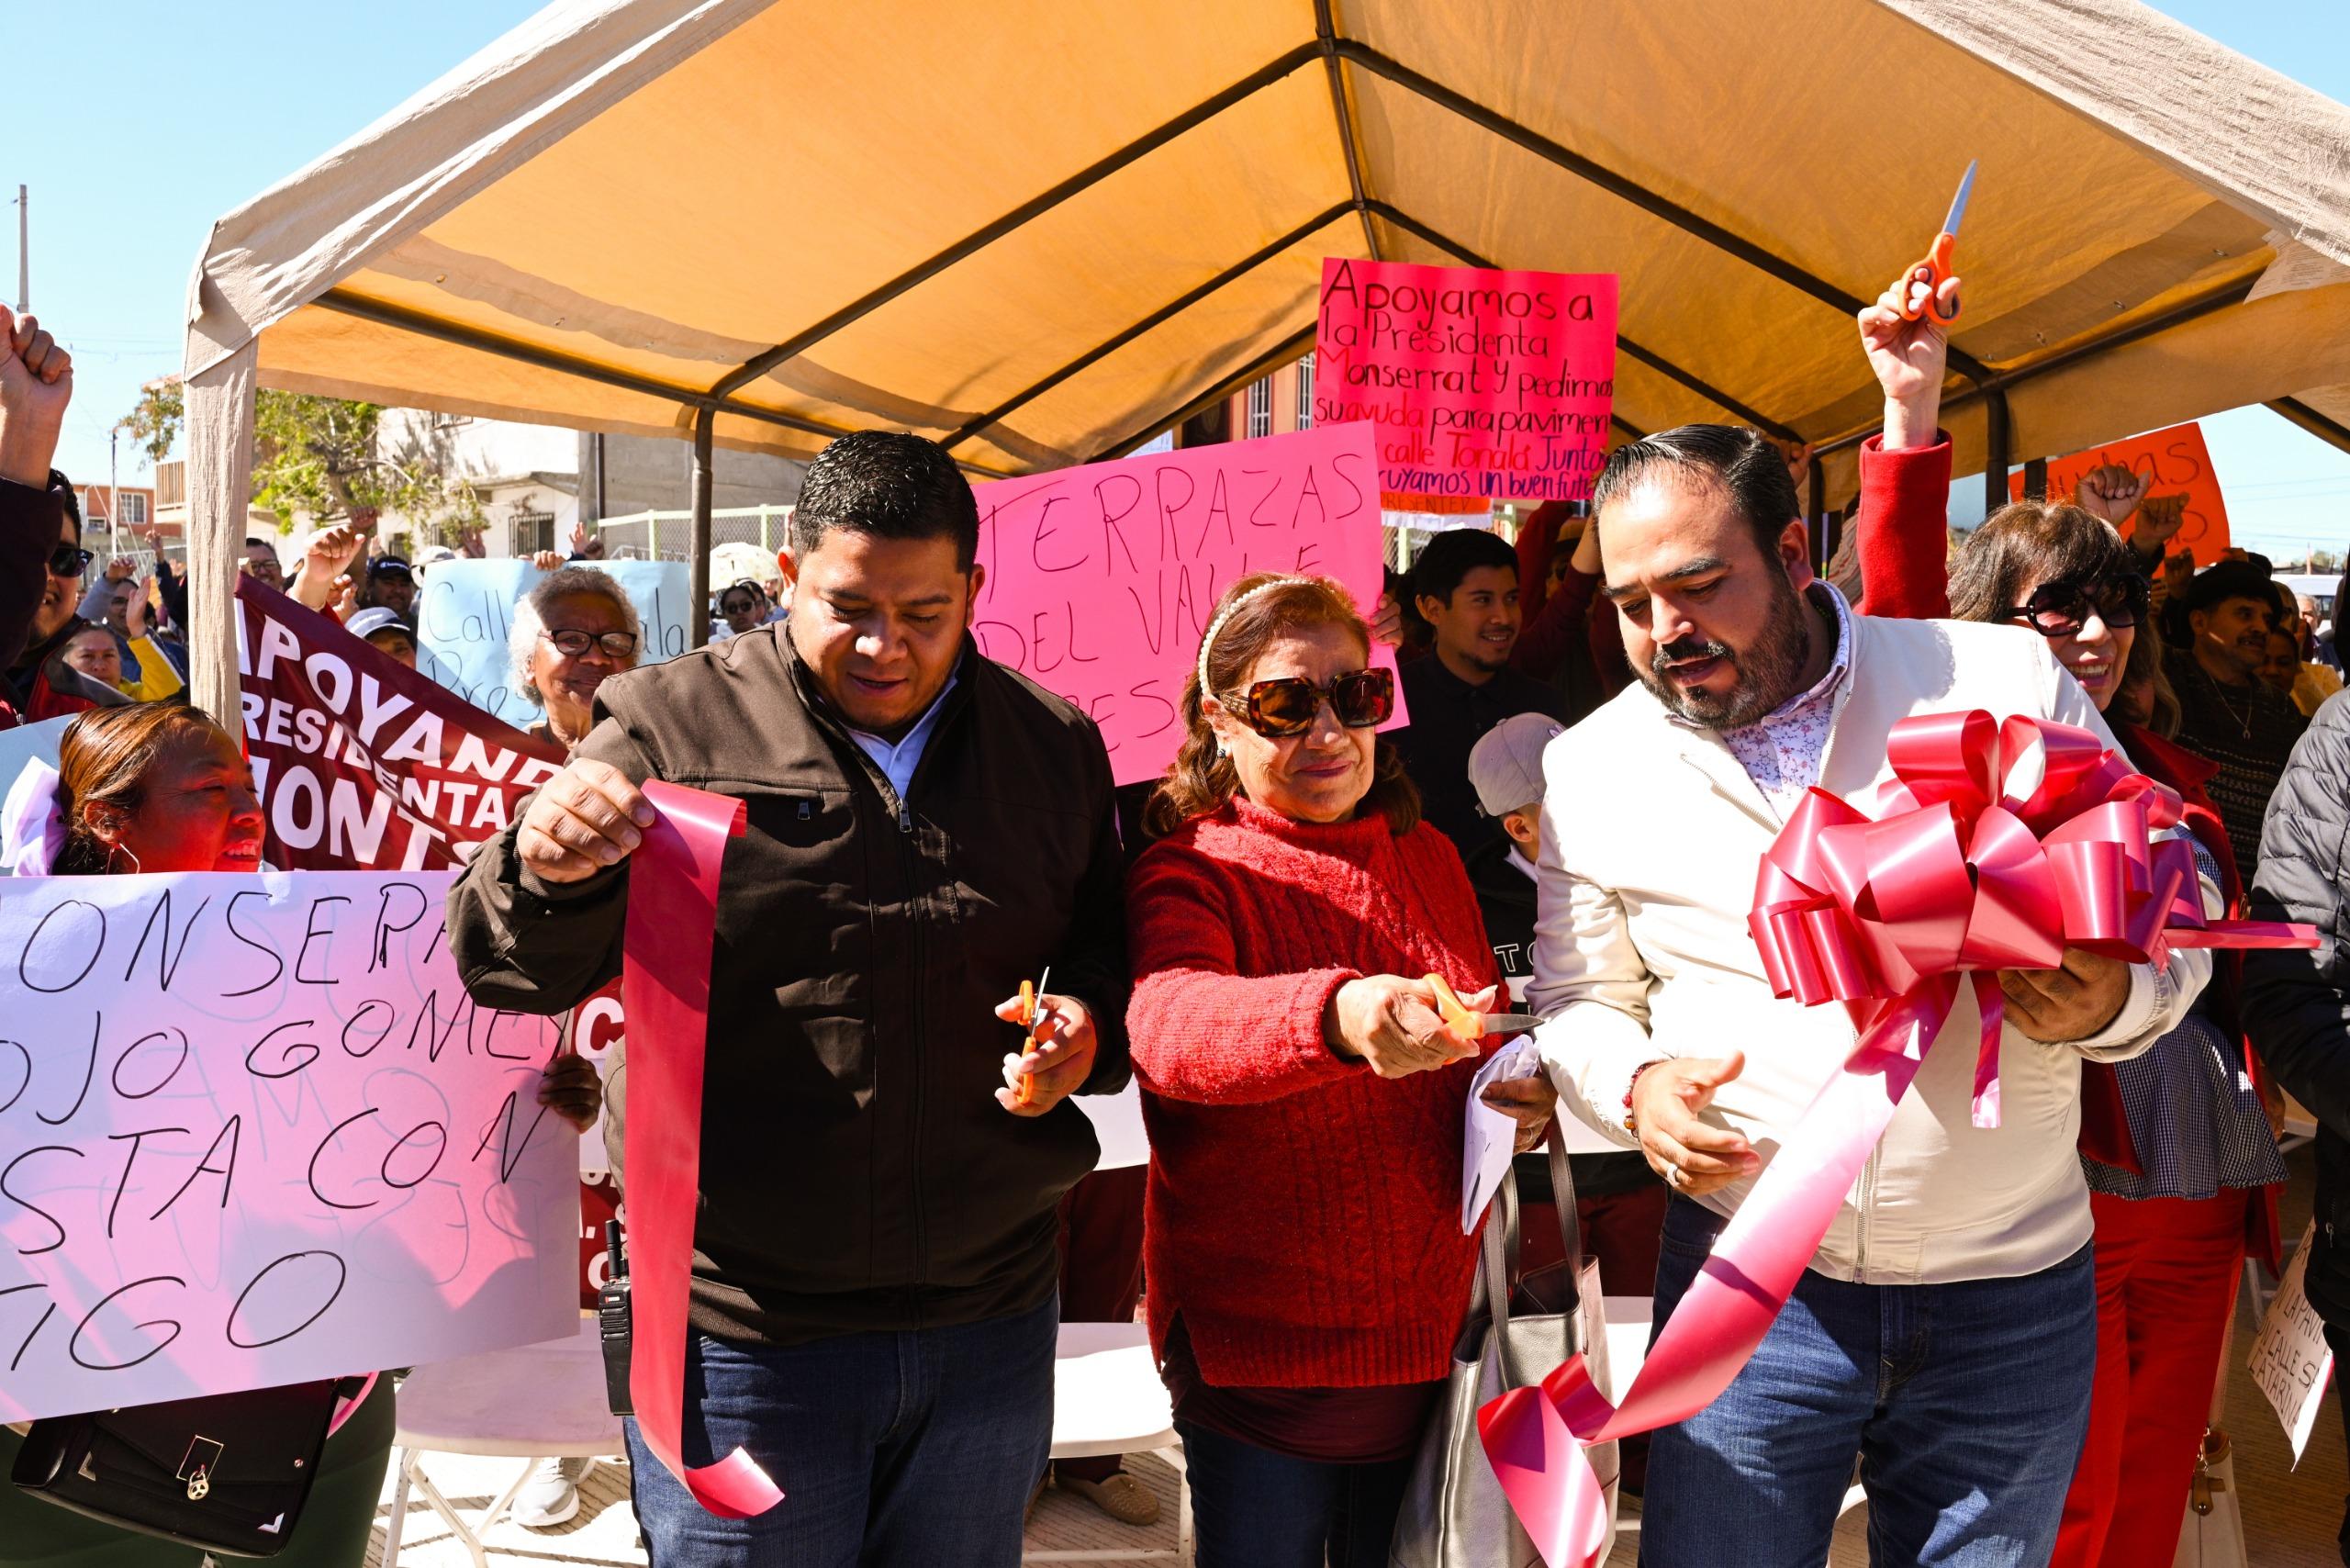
[[1965, 1404], [893, 1451], [1256, 1508]]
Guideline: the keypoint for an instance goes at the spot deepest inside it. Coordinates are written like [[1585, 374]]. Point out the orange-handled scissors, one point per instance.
[[1031, 1004], [1468, 1025], [1935, 270]]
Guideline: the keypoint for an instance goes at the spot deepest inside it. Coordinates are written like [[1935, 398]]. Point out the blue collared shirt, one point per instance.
[[898, 760]]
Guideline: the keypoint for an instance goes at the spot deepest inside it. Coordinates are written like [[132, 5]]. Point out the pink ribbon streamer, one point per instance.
[[665, 974], [1957, 881]]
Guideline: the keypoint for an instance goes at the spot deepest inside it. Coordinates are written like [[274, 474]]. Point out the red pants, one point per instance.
[[2167, 1273], [1101, 1268]]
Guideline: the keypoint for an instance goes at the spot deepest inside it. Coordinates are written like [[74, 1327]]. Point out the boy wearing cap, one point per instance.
[[1619, 1199]]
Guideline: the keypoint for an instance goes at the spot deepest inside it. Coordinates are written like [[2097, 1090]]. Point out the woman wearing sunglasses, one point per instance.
[[2170, 1233], [575, 629], [1302, 1248]]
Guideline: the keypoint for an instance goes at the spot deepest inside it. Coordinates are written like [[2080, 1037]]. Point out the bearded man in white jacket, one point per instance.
[[1943, 1336]]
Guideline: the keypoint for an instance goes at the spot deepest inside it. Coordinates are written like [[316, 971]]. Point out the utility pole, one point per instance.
[[24, 253], [114, 497]]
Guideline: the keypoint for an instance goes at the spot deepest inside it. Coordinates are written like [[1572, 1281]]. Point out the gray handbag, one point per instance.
[[1454, 1515]]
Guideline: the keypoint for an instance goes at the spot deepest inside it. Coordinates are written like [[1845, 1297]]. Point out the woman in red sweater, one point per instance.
[[1302, 1252]]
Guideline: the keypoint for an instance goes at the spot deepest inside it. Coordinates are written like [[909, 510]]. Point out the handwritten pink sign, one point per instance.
[[1483, 384], [253, 1132], [1101, 579]]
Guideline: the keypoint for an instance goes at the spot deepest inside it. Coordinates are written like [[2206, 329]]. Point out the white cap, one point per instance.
[[1506, 766]]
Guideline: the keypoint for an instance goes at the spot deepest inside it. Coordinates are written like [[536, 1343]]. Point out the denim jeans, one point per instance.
[[1256, 1508], [1965, 1404], [893, 1451]]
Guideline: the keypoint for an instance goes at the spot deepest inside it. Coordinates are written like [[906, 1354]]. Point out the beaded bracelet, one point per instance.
[[1631, 1122]]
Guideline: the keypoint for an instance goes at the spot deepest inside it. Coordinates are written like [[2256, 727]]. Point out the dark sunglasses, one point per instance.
[[1279, 709], [571, 645], [2061, 609], [65, 561]]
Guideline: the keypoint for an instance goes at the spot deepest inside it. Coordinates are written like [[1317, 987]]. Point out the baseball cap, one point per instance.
[[2226, 580], [1506, 766], [376, 618], [388, 566], [433, 554]]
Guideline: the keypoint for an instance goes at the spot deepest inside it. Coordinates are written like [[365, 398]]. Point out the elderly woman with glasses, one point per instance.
[[1302, 1248], [2174, 1199], [575, 629]]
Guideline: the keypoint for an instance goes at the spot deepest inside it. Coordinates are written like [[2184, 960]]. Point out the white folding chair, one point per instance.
[[534, 1403], [1107, 1399]]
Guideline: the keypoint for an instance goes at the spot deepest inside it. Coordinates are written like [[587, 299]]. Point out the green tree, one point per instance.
[[331, 459]]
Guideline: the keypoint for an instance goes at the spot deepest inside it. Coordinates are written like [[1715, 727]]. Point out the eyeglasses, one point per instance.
[[65, 561], [571, 645], [2061, 609], [1279, 709]]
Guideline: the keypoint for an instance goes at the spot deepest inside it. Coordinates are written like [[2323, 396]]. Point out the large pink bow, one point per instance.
[[2003, 846]]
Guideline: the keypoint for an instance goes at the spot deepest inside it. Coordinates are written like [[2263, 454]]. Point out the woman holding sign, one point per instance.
[[155, 789], [1304, 1254]]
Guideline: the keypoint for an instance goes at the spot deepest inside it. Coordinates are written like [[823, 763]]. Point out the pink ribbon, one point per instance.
[[1957, 880], [665, 974]]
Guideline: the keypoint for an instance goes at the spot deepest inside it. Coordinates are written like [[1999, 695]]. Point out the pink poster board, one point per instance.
[[252, 1132], [1496, 385], [1101, 579]]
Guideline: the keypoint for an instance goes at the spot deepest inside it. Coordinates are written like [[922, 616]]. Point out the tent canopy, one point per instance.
[[1042, 231]]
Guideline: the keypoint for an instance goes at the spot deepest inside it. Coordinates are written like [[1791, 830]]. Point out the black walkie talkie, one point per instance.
[[613, 1319]]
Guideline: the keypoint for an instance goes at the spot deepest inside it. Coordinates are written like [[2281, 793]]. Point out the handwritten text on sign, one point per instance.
[[2290, 1360], [2180, 465], [1101, 579], [464, 615], [252, 1132], [1493, 384]]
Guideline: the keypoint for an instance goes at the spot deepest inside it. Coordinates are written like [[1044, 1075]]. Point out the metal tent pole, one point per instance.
[[698, 538]]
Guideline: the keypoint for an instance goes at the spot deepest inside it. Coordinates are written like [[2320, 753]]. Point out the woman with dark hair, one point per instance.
[[2173, 1209], [162, 788], [1302, 1251]]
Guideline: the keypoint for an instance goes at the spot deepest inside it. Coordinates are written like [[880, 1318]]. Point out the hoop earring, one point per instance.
[[114, 849]]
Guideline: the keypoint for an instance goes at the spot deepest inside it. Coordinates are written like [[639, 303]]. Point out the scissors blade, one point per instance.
[[1508, 1022], [1958, 202]]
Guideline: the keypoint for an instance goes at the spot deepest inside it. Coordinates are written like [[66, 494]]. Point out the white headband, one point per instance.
[[1207, 642]]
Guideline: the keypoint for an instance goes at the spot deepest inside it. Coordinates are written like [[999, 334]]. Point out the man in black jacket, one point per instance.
[[2297, 1002], [874, 1263]]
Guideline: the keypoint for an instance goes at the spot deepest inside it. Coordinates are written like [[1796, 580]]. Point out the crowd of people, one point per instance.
[[2011, 1333]]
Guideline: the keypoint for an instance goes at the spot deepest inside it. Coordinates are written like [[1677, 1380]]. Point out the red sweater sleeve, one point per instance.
[[1199, 1031], [1904, 520], [1552, 623]]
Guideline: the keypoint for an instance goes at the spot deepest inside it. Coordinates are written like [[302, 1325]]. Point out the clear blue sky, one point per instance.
[[127, 181]]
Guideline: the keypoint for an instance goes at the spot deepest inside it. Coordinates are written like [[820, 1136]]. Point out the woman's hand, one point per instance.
[[1387, 622], [1391, 1025], [570, 1088], [1909, 359], [1529, 1102]]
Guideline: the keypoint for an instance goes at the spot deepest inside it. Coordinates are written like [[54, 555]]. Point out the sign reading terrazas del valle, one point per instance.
[[1482, 384]]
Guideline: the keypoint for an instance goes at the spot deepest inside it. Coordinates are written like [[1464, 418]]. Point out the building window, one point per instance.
[[134, 508], [1306, 393], [531, 532], [1260, 408]]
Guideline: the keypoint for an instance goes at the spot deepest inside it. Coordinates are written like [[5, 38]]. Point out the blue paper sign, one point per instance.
[[464, 620]]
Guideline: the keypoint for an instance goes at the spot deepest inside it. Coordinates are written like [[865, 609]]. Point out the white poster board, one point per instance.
[[252, 1132], [2290, 1360]]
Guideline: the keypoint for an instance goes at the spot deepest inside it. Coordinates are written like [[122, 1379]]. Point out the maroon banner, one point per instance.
[[362, 763]]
